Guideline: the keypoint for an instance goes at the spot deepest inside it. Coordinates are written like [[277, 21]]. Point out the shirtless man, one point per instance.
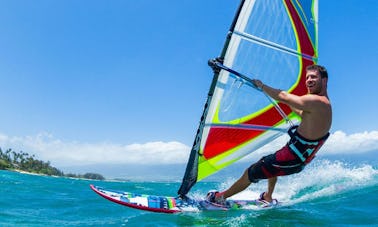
[[315, 110]]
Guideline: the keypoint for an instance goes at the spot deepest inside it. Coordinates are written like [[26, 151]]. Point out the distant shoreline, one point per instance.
[[46, 175], [26, 172], [24, 163]]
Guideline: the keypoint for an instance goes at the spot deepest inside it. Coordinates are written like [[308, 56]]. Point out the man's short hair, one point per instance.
[[321, 69]]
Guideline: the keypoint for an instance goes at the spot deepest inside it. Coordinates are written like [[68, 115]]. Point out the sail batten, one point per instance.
[[270, 40], [276, 46], [247, 127]]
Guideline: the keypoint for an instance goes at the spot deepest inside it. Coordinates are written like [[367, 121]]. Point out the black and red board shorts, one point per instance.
[[283, 162]]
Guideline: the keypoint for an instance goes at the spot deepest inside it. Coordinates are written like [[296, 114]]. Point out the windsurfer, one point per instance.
[[306, 139]]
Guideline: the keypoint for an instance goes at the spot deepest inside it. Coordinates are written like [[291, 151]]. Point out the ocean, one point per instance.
[[326, 193]]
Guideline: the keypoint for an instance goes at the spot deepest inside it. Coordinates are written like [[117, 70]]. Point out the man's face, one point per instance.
[[314, 82]]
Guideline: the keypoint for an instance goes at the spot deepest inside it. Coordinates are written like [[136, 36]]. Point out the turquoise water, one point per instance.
[[326, 193]]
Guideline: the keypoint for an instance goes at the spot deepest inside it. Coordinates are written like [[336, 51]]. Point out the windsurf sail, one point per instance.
[[270, 40]]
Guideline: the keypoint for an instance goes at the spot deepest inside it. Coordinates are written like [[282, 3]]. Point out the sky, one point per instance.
[[96, 82]]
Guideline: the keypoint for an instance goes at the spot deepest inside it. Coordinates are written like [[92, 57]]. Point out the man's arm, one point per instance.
[[297, 103]]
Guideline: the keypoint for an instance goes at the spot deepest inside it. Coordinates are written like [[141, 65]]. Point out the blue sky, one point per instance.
[[111, 78]]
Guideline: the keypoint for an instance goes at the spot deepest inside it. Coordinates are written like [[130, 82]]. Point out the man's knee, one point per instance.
[[250, 174]]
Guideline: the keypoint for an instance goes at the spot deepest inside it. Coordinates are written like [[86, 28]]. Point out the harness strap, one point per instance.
[[303, 148]]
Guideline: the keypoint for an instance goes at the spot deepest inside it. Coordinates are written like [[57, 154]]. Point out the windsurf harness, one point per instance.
[[303, 148]]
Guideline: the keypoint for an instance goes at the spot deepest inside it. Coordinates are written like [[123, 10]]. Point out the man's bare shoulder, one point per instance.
[[316, 98], [316, 103]]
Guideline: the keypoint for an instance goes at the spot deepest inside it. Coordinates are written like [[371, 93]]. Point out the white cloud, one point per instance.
[[339, 142], [62, 153]]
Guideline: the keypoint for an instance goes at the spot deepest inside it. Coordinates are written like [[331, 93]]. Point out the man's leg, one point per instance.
[[238, 186], [271, 184]]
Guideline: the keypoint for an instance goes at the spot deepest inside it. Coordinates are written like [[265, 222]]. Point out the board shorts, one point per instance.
[[290, 159]]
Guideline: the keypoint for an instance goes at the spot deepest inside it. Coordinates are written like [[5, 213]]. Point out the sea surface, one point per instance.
[[326, 193]]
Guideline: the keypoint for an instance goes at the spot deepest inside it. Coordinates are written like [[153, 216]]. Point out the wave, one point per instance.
[[320, 179], [327, 178]]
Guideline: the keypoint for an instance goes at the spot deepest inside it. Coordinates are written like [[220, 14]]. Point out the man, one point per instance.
[[315, 110]]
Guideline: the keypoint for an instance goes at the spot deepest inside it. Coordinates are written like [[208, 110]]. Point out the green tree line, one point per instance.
[[12, 160]]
